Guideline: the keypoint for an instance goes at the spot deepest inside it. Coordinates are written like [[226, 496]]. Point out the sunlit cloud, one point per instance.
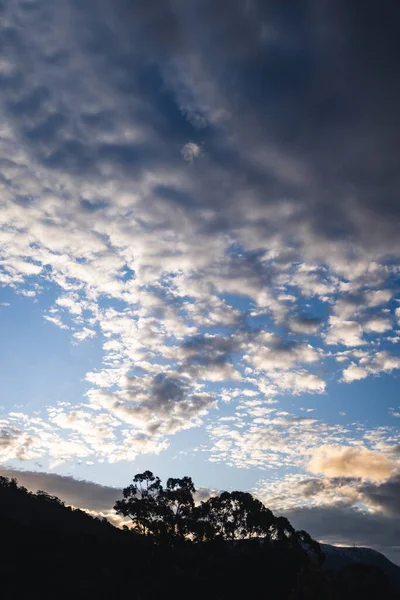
[[334, 461]]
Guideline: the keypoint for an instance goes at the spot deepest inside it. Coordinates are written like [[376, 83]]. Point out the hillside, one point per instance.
[[339, 557], [53, 551]]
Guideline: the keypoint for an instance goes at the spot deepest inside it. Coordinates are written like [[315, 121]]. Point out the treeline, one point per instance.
[[170, 515], [43, 510], [227, 547]]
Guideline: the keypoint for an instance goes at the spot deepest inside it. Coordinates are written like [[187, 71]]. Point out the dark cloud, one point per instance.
[[305, 324], [170, 403], [205, 349], [343, 524], [78, 493], [209, 357], [295, 102], [311, 487], [385, 495], [335, 524], [168, 389]]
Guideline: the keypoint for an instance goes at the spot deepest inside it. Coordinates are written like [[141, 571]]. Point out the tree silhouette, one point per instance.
[[233, 516], [46, 497], [166, 514], [179, 504], [170, 516], [311, 545], [143, 503]]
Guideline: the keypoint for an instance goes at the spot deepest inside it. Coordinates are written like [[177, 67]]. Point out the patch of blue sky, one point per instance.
[[215, 475], [241, 302], [127, 274], [105, 302], [187, 454], [371, 397], [309, 306], [39, 364]]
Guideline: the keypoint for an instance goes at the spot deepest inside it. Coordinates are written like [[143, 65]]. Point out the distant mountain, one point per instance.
[[339, 557]]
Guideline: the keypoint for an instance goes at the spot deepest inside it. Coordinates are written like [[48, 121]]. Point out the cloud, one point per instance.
[[339, 510], [84, 334], [79, 493], [207, 357], [155, 407], [302, 324], [384, 495], [336, 461], [378, 297], [190, 151], [267, 439], [55, 320], [15, 443], [348, 333], [344, 525], [237, 270], [203, 493], [269, 352], [381, 362], [354, 373], [378, 324]]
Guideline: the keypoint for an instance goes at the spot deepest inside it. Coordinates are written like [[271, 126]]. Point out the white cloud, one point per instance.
[[348, 333], [191, 151], [84, 334], [354, 373], [381, 362], [377, 324], [268, 352], [56, 320], [378, 297]]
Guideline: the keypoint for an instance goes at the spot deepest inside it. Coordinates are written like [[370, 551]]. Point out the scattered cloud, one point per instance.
[[339, 510], [381, 362], [223, 249], [264, 437]]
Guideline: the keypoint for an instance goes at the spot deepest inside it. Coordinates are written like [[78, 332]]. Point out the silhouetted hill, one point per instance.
[[339, 557], [52, 551], [47, 512]]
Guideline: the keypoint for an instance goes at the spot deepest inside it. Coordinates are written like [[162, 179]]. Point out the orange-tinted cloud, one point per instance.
[[335, 461]]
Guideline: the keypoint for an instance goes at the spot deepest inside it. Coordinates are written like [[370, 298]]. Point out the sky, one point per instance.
[[199, 253]]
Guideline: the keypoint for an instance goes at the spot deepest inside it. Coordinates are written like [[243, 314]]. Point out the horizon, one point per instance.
[[199, 254]]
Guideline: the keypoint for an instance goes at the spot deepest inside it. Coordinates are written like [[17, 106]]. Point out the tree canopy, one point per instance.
[[171, 515]]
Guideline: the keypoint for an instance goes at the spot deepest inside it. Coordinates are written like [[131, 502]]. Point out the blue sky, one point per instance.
[[199, 253]]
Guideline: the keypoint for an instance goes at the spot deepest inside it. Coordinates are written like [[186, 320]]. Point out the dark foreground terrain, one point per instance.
[[52, 551]]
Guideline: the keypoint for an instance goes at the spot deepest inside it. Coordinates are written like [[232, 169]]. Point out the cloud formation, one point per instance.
[[340, 510], [335, 461], [209, 195]]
